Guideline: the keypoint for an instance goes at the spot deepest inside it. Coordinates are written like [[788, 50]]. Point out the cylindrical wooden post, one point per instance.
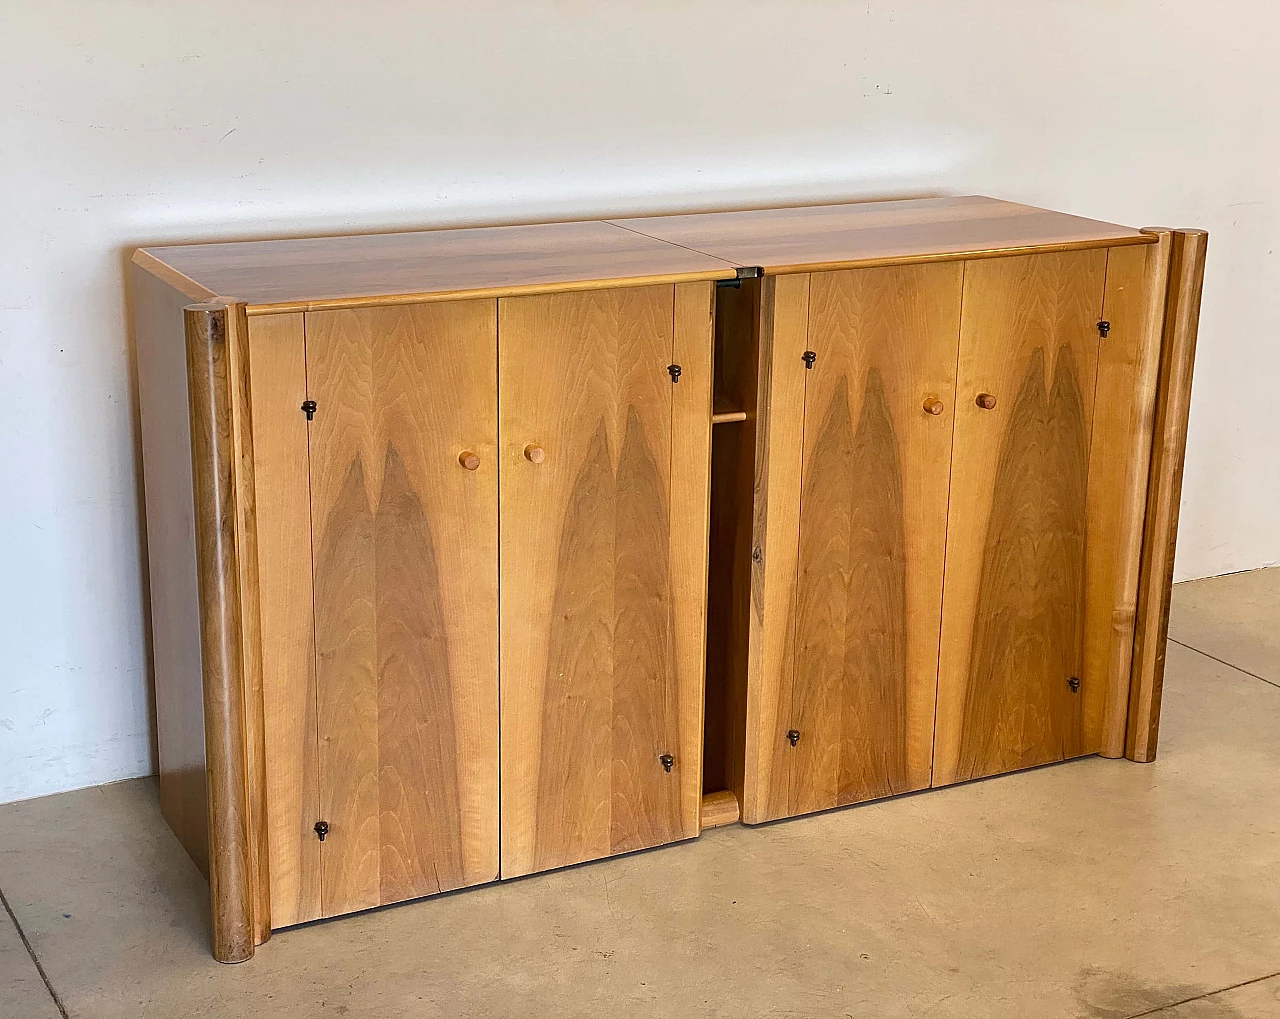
[[1164, 492], [213, 473]]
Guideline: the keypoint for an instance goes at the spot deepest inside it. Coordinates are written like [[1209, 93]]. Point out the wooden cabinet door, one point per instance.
[[849, 714], [1009, 693], [405, 592], [605, 472]]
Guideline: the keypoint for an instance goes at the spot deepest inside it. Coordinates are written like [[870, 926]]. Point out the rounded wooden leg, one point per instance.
[[226, 768]]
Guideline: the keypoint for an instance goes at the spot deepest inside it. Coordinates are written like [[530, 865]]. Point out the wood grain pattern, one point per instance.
[[719, 809], [315, 273], [244, 479], [159, 331], [1013, 613], [860, 671], [729, 575], [406, 601], [595, 685], [301, 274], [213, 461], [689, 521], [1123, 420], [863, 234], [278, 376], [783, 333], [1177, 360]]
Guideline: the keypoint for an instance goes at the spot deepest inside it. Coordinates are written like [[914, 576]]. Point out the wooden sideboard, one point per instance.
[[476, 553]]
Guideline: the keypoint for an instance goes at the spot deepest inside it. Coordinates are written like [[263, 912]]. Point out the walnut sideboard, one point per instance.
[[475, 553]]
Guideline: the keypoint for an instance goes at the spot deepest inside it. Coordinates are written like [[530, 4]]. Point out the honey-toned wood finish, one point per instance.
[[327, 597], [1013, 612], [222, 555], [317, 273], [278, 384], [690, 485], [244, 483], [158, 321], [1124, 416], [406, 599], [314, 273], [783, 333], [1182, 321], [862, 234], [599, 679], [719, 809], [859, 670]]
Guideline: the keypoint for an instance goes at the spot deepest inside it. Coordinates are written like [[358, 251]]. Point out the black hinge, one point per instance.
[[674, 371], [1104, 327], [321, 829], [808, 357], [309, 409]]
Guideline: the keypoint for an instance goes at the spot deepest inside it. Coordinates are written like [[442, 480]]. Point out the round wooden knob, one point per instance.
[[933, 406], [534, 453], [469, 459], [986, 401]]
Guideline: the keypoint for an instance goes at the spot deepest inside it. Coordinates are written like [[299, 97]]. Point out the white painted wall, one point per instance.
[[132, 122]]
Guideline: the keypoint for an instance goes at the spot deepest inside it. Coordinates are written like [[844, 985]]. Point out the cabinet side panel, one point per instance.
[[784, 327], [1173, 405], [1013, 609], [171, 559], [689, 517], [278, 384], [1120, 458]]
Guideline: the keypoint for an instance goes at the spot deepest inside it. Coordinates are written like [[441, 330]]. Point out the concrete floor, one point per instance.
[[1093, 889]]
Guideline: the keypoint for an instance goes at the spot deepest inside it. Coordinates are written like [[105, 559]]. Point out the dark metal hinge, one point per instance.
[[1104, 327], [321, 829], [674, 371], [309, 408], [750, 272], [808, 357]]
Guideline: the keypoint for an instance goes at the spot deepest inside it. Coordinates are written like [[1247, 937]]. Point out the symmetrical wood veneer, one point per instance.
[[482, 552]]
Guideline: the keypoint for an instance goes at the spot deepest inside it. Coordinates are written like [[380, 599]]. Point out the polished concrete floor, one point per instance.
[[1093, 889]]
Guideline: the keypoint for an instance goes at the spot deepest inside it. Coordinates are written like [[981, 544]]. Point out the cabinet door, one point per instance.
[[406, 598], [1009, 691], [850, 716], [605, 470]]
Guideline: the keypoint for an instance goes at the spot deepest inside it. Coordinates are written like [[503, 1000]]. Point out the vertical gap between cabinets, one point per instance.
[[946, 532], [315, 662]]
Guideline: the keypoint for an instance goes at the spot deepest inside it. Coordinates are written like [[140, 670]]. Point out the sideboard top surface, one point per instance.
[[318, 272], [817, 237]]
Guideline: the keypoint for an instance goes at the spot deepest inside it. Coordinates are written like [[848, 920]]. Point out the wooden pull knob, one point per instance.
[[986, 401], [469, 459], [535, 454], [933, 406]]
